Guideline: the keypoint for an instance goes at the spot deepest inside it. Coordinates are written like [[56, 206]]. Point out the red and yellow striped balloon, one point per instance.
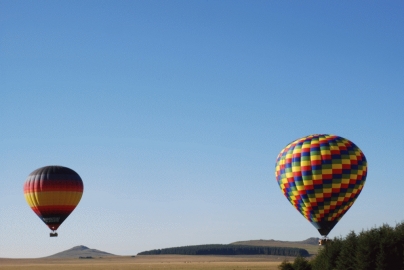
[[53, 192], [321, 175]]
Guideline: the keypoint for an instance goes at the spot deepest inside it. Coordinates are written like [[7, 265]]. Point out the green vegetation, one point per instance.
[[310, 244], [228, 250], [300, 263], [376, 249]]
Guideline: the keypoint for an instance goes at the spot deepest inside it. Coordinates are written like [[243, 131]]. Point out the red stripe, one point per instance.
[[296, 155], [336, 171], [59, 209], [317, 182], [53, 226], [346, 166], [315, 162], [296, 174], [37, 185], [327, 176], [326, 157], [309, 187]]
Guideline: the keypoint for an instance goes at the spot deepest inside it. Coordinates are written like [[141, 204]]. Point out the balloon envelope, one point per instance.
[[53, 192], [321, 175]]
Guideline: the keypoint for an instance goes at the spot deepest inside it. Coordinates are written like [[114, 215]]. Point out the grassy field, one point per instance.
[[312, 249], [149, 262]]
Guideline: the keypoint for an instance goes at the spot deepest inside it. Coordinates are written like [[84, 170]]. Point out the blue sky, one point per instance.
[[173, 113]]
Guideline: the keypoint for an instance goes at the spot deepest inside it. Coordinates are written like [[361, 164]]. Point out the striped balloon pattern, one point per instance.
[[53, 192], [321, 175]]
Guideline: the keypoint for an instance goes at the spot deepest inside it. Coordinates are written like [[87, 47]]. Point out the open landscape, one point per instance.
[[82, 257], [216, 135], [143, 262]]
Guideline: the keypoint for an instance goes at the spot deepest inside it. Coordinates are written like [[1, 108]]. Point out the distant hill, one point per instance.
[[310, 241], [216, 249], [310, 244], [81, 251]]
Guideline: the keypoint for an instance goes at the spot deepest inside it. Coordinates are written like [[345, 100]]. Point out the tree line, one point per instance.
[[379, 248], [228, 250]]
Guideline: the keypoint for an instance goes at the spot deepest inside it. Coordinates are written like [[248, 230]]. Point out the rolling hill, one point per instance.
[[310, 244], [81, 251]]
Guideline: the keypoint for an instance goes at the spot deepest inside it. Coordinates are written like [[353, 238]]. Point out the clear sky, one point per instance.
[[173, 113]]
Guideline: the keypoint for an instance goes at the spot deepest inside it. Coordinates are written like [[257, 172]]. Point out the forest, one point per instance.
[[378, 248], [228, 250]]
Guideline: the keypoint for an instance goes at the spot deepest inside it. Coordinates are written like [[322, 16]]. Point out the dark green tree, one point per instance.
[[327, 257], [399, 232], [228, 250], [301, 263], [367, 249], [390, 249], [383, 243], [347, 258], [285, 265], [375, 249]]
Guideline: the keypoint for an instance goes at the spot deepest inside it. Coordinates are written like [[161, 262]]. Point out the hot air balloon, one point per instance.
[[321, 175], [53, 192]]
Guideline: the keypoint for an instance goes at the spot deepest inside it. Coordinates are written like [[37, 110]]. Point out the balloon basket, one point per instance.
[[54, 234], [324, 241]]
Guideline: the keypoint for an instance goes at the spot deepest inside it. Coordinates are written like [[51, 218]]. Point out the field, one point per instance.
[[149, 262]]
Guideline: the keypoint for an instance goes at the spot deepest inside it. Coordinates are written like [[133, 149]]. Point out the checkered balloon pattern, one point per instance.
[[321, 175]]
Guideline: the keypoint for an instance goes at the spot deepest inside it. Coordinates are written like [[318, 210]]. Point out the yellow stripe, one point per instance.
[[317, 177], [307, 182], [297, 150], [53, 198], [327, 171], [345, 181], [337, 166], [325, 152], [306, 163], [346, 161]]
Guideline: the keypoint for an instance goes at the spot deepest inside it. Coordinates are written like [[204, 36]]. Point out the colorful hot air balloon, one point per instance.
[[53, 192], [321, 175]]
